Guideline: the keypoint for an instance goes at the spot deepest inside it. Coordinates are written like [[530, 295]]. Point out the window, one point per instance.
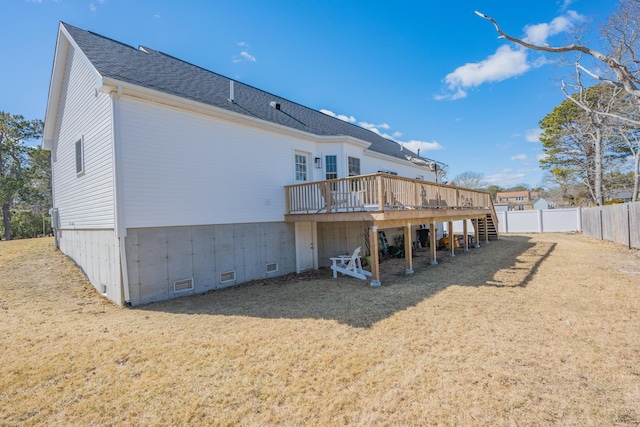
[[301, 167], [331, 163], [80, 156], [519, 198], [520, 207], [354, 166], [388, 172]]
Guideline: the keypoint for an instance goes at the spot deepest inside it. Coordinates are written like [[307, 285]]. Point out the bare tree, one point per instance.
[[470, 180], [623, 39]]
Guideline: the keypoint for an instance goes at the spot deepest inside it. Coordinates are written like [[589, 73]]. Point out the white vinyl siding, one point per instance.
[[85, 199], [184, 168]]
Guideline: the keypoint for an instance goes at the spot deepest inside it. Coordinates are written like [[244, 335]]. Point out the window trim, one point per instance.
[[79, 156]]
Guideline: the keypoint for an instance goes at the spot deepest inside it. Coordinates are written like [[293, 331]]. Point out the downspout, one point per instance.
[[120, 228]]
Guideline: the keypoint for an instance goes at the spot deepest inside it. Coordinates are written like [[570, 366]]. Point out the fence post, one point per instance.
[[629, 222], [540, 225], [600, 215], [579, 219]]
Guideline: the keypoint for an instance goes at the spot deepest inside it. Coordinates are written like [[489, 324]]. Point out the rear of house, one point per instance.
[[169, 180]]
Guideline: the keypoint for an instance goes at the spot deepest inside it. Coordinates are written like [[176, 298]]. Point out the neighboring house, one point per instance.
[[169, 179], [540, 203], [517, 200], [624, 195]]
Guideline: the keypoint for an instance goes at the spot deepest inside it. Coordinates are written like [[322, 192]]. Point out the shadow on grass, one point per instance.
[[510, 262]]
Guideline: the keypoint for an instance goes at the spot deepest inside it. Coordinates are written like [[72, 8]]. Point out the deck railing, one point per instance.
[[378, 192]]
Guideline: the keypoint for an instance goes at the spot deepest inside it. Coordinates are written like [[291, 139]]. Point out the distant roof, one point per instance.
[[155, 70]]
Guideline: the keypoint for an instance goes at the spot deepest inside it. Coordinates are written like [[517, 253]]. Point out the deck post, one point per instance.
[[375, 256], [433, 242], [452, 245], [408, 247], [380, 193], [486, 229], [465, 232], [476, 233]]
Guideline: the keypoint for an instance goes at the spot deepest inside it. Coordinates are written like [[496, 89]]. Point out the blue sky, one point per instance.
[[431, 75]]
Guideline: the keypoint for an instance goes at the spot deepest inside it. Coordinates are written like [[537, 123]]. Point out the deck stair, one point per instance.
[[492, 227]]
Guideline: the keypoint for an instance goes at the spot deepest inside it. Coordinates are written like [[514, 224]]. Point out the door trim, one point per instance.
[[300, 243]]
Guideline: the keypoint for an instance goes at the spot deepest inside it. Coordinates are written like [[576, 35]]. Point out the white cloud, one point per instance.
[[248, 56], [509, 60], [506, 178], [92, 7], [541, 156], [539, 33], [244, 55], [520, 157], [423, 146], [157, 15], [505, 63], [342, 117], [413, 145], [533, 135], [566, 4]]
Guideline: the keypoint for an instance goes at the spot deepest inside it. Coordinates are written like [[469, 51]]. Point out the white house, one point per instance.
[[169, 179]]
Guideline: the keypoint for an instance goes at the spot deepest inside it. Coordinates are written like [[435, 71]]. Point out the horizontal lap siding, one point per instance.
[[84, 201], [183, 168]]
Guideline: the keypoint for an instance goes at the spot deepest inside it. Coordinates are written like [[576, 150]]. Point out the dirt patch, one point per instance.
[[529, 330]]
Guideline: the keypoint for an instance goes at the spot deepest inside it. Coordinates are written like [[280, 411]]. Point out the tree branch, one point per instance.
[[626, 79]]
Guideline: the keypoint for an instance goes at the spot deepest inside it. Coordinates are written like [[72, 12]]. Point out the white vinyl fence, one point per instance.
[[540, 221], [535, 221], [618, 223]]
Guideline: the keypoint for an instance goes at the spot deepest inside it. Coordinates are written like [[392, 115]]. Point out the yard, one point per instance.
[[530, 330]]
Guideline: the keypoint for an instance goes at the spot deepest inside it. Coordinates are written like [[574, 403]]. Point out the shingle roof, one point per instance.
[[151, 69]]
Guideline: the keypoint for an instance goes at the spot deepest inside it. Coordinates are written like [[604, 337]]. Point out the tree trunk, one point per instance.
[[598, 168], [636, 177], [6, 220]]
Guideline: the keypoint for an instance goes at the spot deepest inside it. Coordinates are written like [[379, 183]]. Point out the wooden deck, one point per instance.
[[388, 201], [384, 200]]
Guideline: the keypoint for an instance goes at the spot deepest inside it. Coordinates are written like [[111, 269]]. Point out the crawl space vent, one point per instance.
[[183, 285], [272, 267], [228, 276]]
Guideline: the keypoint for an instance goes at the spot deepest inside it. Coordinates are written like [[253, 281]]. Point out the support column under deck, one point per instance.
[[452, 245], [476, 232], [375, 256], [433, 242], [408, 254], [465, 232]]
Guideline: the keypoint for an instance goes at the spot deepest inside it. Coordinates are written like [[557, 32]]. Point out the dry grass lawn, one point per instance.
[[530, 330]]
